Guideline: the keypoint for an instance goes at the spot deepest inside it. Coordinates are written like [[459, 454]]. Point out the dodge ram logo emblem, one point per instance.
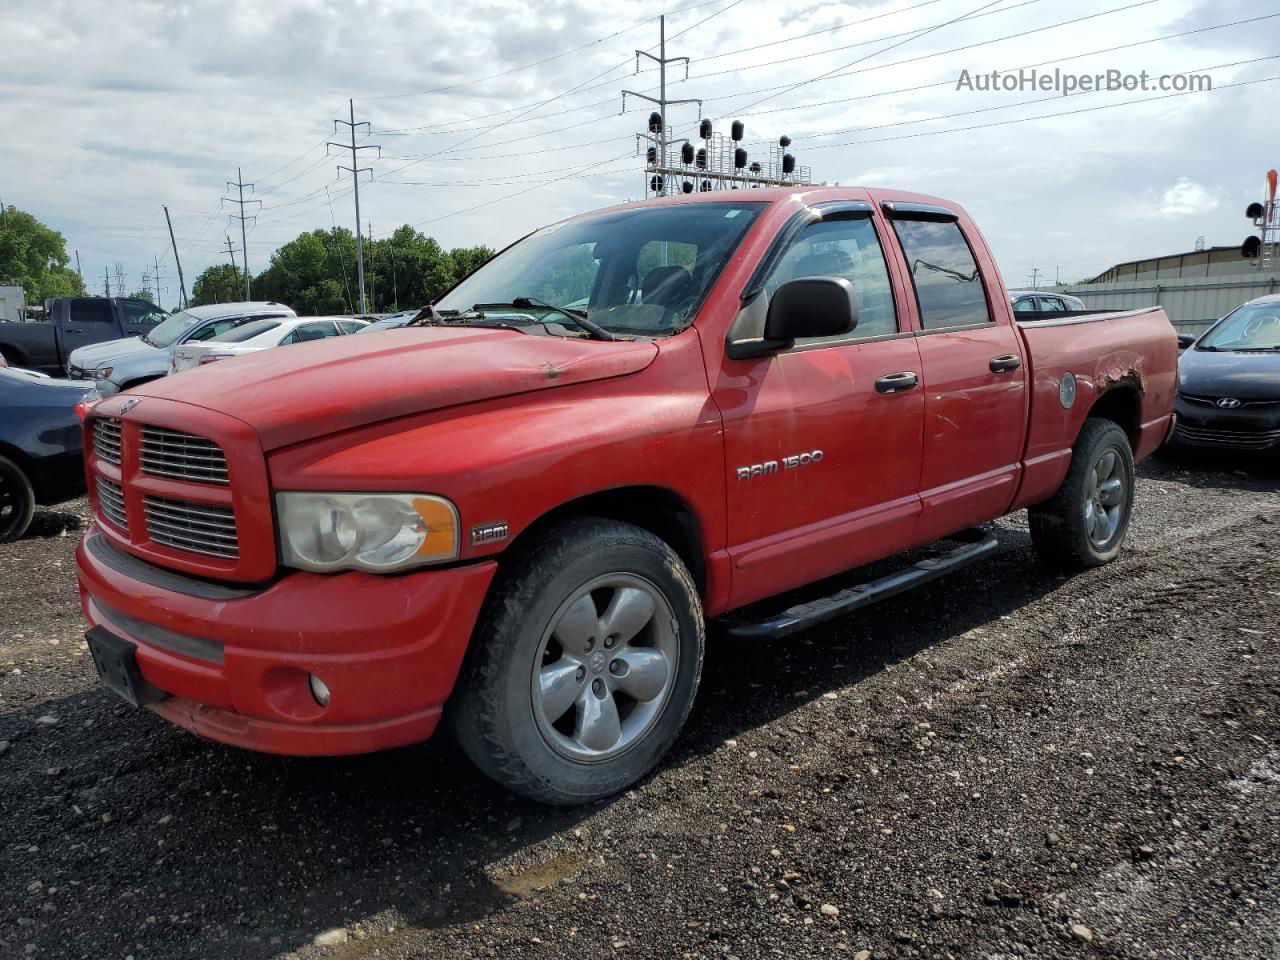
[[129, 404], [1228, 403]]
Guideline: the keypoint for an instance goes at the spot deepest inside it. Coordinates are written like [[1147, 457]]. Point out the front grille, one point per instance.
[[1242, 439], [1213, 402], [195, 527], [106, 440], [111, 498], [182, 456], [79, 373]]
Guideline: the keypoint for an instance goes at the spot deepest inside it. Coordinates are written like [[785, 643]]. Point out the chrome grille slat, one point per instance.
[[111, 499], [106, 440], [197, 528], [182, 456], [1228, 438]]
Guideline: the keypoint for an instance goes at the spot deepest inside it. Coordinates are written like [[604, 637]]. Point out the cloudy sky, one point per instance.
[[494, 117]]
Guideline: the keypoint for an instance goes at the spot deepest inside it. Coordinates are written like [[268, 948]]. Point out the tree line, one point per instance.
[[315, 273]]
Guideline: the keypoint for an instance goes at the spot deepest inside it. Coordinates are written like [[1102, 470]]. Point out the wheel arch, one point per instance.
[[659, 510], [1121, 403], [13, 355]]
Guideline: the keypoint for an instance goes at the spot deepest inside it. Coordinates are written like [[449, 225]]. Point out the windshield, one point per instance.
[[167, 333], [1254, 326], [641, 271]]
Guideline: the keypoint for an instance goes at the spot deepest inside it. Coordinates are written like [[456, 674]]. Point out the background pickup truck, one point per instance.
[[520, 512], [72, 322]]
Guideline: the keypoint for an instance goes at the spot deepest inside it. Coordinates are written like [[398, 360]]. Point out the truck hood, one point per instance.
[[1245, 376], [109, 352], [307, 390]]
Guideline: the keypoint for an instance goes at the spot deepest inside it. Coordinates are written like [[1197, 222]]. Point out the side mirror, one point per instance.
[[811, 307], [1185, 340]]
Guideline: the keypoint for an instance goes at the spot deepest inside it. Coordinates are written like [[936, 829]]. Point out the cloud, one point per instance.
[[186, 93], [1186, 199]]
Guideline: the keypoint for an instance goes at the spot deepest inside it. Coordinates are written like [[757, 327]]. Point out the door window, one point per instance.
[[90, 310], [947, 279], [312, 331], [351, 326], [1025, 305], [140, 316], [1051, 303], [847, 248]]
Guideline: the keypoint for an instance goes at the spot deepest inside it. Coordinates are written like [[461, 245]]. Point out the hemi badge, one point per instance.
[[488, 533]]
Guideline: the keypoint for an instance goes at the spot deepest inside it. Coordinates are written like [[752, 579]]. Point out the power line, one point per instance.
[[535, 63], [1062, 113], [1010, 106], [1029, 66]]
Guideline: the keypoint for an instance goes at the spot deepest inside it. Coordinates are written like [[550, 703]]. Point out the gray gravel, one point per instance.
[[1004, 764]]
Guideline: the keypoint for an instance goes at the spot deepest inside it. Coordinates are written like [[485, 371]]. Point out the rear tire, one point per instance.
[[584, 665], [1084, 523], [17, 501]]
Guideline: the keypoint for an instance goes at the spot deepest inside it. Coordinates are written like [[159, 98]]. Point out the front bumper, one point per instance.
[[1252, 427], [235, 662]]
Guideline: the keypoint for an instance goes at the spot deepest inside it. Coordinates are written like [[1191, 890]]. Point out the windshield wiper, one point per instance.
[[147, 340], [579, 317]]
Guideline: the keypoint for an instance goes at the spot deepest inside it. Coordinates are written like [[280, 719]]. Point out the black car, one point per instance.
[[40, 459], [1229, 382]]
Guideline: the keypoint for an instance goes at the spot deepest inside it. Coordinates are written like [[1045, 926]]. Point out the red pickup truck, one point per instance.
[[519, 513]]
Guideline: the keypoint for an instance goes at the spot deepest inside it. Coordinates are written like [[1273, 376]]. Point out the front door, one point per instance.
[[974, 376], [822, 443]]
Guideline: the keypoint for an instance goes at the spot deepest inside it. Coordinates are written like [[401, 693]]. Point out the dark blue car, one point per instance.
[[40, 458]]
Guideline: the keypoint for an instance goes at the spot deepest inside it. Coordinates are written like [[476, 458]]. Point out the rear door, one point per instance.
[[823, 460], [974, 373]]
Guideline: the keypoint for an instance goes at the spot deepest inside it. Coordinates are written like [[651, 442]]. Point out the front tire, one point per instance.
[[1084, 523], [584, 665], [17, 501]]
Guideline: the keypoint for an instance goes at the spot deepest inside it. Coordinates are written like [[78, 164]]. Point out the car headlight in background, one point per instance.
[[375, 532], [103, 373]]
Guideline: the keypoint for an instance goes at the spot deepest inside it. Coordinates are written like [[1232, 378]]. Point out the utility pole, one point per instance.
[[106, 282], [660, 134], [239, 184], [156, 276], [79, 272], [231, 251], [1035, 273], [373, 276], [182, 284], [355, 170]]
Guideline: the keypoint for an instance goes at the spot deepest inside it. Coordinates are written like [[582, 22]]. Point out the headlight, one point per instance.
[[103, 373], [377, 532]]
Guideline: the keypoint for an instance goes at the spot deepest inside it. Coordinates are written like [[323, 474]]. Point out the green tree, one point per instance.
[[221, 283], [36, 257], [146, 295]]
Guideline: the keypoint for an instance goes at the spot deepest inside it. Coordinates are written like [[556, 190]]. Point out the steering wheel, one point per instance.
[[1258, 325]]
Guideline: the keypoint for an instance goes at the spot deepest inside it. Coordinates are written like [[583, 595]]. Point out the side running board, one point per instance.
[[976, 543]]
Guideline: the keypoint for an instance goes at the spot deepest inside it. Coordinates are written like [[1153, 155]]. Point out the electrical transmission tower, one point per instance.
[[657, 135], [355, 170], [239, 184], [721, 163], [121, 286]]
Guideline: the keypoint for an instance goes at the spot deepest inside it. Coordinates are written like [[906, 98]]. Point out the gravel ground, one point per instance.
[[1004, 764]]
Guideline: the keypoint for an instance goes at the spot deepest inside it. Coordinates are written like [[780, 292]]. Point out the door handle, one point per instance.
[[897, 382], [1005, 364]]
